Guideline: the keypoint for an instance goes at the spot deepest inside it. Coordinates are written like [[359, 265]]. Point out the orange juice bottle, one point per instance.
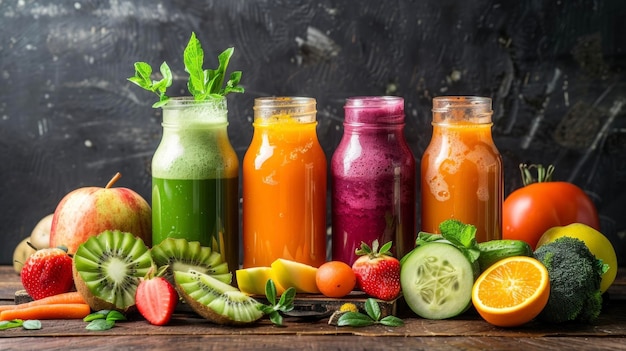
[[462, 175], [284, 185]]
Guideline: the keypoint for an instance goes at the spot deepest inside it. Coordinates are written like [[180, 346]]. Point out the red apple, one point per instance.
[[88, 211]]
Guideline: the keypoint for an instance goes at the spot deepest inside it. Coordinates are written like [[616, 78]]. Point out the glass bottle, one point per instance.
[[284, 185], [195, 178], [373, 179], [462, 175]]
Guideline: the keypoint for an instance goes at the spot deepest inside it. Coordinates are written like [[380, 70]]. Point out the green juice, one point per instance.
[[204, 210], [195, 178]]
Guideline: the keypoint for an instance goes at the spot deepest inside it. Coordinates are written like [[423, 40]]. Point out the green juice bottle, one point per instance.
[[195, 178]]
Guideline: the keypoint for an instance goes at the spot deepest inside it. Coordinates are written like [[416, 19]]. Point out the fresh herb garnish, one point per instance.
[[358, 319], [31, 324], [103, 320], [460, 235], [285, 304], [203, 84]]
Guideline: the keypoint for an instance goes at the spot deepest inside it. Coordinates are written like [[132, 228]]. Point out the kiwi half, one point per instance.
[[107, 269], [215, 300], [182, 255]]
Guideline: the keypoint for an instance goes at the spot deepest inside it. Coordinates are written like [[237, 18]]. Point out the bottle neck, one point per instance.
[[462, 110], [185, 113]]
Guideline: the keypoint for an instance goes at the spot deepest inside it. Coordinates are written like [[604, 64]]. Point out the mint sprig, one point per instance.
[[456, 233], [203, 84], [285, 304], [358, 319]]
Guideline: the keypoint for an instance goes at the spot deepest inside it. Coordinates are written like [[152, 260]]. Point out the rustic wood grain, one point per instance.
[[187, 330]]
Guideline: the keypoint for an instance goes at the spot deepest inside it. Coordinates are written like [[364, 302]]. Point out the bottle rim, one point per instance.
[[374, 110], [299, 108], [182, 102], [468, 109]]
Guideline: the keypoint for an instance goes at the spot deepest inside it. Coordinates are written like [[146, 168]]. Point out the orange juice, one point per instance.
[[462, 175], [284, 185]]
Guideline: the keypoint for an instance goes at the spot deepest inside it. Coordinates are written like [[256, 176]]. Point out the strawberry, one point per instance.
[[377, 272], [156, 299], [47, 272]]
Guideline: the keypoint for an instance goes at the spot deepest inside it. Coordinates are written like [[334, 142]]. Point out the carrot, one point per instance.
[[54, 311], [69, 297]]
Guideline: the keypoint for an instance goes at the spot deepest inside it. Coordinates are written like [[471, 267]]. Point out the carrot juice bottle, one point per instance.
[[284, 185], [462, 175]]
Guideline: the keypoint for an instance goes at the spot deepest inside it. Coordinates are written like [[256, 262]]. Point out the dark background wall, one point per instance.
[[69, 118]]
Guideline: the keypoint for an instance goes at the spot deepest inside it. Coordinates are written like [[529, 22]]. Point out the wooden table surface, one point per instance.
[[189, 332]]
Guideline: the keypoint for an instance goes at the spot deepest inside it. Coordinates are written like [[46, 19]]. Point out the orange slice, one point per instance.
[[512, 292]]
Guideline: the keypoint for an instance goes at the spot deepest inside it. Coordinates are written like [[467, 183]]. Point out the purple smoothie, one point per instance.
[[373, 179]]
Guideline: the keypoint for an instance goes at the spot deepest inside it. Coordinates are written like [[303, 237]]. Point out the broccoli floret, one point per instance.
[[575, 275]]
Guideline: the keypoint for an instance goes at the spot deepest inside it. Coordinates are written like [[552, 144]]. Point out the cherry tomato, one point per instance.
[[530, 211]]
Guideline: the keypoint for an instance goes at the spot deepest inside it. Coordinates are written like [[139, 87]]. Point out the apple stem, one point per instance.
[[117, 176]]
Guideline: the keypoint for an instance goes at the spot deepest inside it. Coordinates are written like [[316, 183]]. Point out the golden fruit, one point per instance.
[[597, 243]]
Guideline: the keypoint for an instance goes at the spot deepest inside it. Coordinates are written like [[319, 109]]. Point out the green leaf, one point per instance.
[[115, 316], [32, 324], [224, 59], [372, 309], [202, 84], [392, 321], [268, 310], [286, 300], [11, 324], [354, 319], [276, 318], [270, 291], [96, 315], [100, 325]]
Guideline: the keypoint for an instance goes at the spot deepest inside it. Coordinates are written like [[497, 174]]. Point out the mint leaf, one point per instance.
[[286, 300], [270, 292], [115, 316], [461, 235], [96, 315], [202, 84], [100, 325], [11, 324], [31, 324], [285, 304], [193, 57]]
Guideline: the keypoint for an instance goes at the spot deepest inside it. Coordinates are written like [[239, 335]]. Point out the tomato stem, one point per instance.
[[543, 174]]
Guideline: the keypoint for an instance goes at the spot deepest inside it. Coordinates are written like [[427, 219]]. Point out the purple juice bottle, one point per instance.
[[373, 179]]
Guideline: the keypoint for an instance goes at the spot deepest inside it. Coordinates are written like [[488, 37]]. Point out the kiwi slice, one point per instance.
[[182, 255], [215, 300], [107, 269]]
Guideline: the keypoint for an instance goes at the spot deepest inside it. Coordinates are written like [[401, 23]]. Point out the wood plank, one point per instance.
[[309, 342]]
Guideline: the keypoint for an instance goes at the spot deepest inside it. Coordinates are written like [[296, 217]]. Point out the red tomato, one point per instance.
[[530, 211]]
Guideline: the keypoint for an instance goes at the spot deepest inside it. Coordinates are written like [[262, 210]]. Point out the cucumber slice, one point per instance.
[[437, 280]]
